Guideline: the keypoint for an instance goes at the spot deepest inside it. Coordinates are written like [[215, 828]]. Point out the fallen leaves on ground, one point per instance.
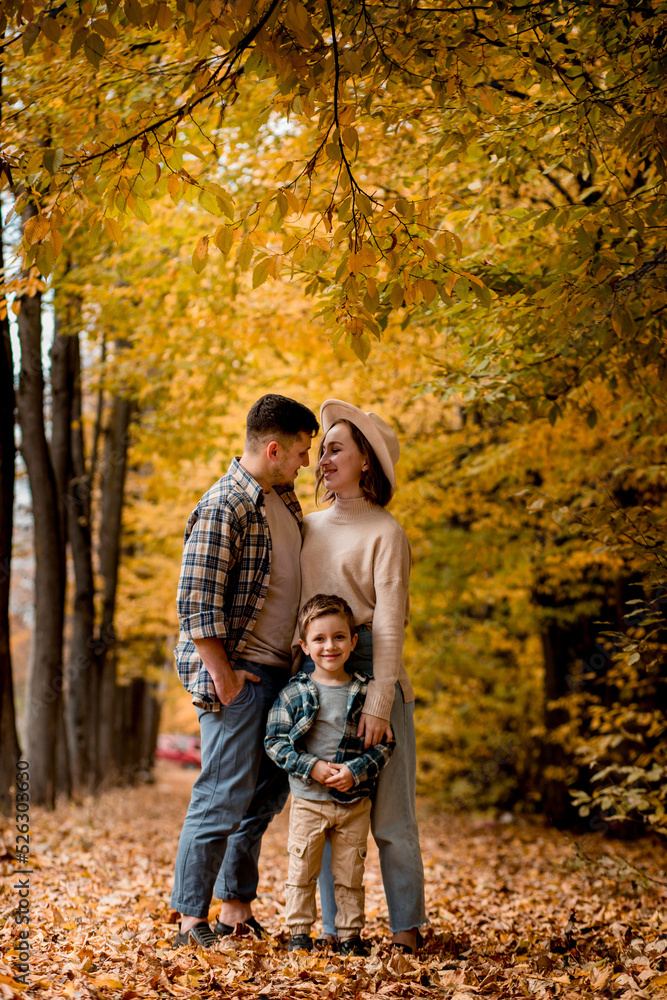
[[516, 911]]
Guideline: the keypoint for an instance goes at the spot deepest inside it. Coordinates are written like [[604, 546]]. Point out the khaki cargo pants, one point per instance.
[[311, 822]]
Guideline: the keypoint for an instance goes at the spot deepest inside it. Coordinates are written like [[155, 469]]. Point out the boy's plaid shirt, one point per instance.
[[293, 714], [224, 574]]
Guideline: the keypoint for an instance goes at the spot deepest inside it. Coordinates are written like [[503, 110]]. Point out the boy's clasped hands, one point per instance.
[[332, 775]]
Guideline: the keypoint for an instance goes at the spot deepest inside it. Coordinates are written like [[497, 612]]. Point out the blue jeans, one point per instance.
[[393, 818], [235, 797]]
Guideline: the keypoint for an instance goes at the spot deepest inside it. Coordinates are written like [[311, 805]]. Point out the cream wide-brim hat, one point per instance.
[[379, 434]]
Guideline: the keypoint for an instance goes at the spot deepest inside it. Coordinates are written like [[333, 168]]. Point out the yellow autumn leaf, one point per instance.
[[200, 254], [107, 982], [450, 281], [114, 231]]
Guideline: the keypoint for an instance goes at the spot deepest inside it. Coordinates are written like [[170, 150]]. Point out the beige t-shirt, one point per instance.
[[271, 638]]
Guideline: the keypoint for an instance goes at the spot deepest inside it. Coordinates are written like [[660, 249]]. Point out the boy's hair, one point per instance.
[[321, 605], [373, 483], [280, 417]]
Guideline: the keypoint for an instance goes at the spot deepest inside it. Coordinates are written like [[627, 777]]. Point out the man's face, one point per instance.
[[292, 458]]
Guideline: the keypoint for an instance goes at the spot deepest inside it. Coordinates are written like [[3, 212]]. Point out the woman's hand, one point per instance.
[[373, 729], [341, 778]]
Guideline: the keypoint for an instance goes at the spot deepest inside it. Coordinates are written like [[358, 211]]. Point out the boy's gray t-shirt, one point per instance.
[[324, 736]]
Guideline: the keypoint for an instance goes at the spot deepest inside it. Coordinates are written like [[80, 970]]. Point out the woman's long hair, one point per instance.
[[373, 483]]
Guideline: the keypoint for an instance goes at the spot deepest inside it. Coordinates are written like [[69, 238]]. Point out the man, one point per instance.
[[238, 598]]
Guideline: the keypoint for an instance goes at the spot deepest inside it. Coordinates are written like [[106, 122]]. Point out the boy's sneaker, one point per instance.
[[201, 934], [353, 946], [300, 942]]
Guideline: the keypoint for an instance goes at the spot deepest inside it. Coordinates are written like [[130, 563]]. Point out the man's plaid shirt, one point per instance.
[[293, 714], [224, 574]]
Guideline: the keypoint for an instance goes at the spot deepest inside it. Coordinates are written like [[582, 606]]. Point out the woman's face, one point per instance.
[[342, 463]]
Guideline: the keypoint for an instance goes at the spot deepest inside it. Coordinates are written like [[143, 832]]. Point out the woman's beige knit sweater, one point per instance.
[[358, 551]]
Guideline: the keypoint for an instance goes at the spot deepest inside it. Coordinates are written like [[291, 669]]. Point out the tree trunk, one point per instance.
[[67, 449], [80, 672], [113, 473], [45, 677], [559, 646], [149, 732], [130, 700], [137, 722], [61, 421], [9, 746], [60, 451]]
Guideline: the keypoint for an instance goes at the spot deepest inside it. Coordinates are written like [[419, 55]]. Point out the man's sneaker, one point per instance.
[[353, 946], [300, 942], [224, 930], [201, 934]]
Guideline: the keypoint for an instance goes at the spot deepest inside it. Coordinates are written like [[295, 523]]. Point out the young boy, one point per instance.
[[312, 734]]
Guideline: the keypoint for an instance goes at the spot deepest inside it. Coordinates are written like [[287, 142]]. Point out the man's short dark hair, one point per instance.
[[321, 605], [280, 417]]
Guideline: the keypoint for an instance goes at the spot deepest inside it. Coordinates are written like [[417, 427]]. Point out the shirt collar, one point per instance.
[[246, 482]]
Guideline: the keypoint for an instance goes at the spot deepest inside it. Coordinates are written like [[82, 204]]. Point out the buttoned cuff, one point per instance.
[[306, 764]]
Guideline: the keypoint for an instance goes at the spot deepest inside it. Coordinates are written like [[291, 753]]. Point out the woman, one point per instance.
[[356, 549]]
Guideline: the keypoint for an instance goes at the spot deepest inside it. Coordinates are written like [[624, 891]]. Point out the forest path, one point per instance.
[[516, 911]]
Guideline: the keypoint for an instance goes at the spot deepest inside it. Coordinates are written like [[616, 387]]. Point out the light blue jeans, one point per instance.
[[393, 818], [235, 797]]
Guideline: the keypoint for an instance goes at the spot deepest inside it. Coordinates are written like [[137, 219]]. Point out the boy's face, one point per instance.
[[329, 643]]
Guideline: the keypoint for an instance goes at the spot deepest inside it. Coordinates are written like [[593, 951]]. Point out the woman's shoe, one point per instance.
[[407, 949], [325, 941]]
